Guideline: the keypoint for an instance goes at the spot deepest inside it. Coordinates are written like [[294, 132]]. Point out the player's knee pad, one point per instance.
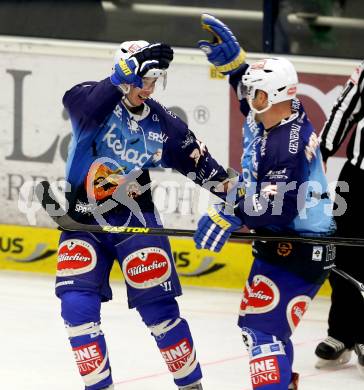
[[164, 327], [81, 313], [159, 311], [174, 340], [79, 307], [270, 367]]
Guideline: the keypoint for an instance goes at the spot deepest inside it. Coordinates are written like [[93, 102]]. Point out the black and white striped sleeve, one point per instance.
[[348, 109]]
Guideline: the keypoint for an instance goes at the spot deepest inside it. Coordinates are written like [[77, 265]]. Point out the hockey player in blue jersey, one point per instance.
[[119, 133], [282, 189]]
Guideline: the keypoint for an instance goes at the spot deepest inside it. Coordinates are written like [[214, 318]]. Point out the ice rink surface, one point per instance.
[[35, 354]]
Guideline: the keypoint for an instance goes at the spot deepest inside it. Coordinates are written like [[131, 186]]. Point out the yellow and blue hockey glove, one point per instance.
[[214, 228], [224, 50], [134, 68]]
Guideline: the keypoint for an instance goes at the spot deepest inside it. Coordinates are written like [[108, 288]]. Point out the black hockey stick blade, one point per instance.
[[65, 222], [350, 279], [49, 201]]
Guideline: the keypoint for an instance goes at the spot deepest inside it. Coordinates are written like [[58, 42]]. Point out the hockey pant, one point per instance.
[[273, 304], [81, 313], [83, 269]]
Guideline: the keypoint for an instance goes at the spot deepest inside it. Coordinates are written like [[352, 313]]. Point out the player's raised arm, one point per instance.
[[185, 153], [223, 50], [94, 100], [118, 137], [285, 191], [225, 53]]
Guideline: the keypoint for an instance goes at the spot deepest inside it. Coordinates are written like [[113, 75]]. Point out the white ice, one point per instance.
[[35, 354]]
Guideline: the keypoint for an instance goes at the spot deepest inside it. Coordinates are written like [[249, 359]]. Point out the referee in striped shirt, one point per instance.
[[346, 330]]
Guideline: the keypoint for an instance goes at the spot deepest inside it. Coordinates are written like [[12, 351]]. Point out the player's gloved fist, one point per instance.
[[133, 69], [125, 72], [153, 56], [214, 228], [224, 50]]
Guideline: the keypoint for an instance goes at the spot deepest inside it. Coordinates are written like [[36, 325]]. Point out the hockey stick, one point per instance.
[[350, 279], [65, 222]]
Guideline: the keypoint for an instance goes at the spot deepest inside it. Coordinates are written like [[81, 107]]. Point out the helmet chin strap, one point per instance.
[[128, 102], [132, 107], [255, 111], [125, 88]]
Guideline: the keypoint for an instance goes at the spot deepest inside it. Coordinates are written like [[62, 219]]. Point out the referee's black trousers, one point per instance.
[[347, 304]]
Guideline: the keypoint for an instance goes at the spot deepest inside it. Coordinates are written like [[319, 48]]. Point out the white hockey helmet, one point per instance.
[[127, 49], [275, 76]]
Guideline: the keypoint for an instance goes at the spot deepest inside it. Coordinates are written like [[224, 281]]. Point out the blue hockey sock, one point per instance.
[[270, 366], [81, 313], [288, 348], [174, 340]]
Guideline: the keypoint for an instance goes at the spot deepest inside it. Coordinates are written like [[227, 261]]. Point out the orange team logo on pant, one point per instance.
[[284, 248], [102, 181]]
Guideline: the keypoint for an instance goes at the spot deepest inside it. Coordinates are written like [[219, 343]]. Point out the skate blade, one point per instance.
[[360, 369], [341, 360]]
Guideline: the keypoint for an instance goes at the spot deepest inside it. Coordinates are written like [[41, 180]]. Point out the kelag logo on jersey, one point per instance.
[[124, 137], [123, 150]]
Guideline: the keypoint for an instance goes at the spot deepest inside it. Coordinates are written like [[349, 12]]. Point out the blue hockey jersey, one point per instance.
[[285, 188], [109, 143]]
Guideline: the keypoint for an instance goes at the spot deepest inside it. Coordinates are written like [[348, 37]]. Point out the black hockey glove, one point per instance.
[[155, 55]]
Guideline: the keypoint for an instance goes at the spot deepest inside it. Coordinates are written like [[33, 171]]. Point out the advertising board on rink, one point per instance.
[[35, 129], [35, 134], [34, 249]]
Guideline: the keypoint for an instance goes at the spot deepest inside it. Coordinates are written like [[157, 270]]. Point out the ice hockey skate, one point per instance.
[[332, 353], [193, 386], [359, 350], [294, 381]]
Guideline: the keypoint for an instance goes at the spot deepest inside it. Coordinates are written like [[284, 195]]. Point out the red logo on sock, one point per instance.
[[264, 371], [177, 355], [88, 357]]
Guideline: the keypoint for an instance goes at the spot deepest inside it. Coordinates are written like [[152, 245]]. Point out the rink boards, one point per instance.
[[35, 133], [33, 249]]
